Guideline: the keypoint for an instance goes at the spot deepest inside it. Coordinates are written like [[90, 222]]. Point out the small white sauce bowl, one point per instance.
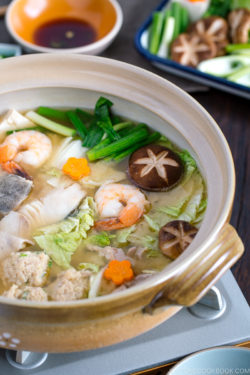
[[23, 17]]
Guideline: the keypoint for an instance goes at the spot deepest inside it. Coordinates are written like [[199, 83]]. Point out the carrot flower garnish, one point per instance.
[[119, 271], [76, 168]]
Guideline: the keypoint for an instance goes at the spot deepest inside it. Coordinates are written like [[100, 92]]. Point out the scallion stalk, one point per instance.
[[50, 125], [239, 74], [118, 146], [152, 138], [53, 113], [156, 32], [37, 128], [176, 11], [184, 20], [77, 123], [235, 47], [123, 133], [167, 35]]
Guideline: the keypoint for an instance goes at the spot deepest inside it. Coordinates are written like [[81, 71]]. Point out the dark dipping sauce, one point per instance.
[[65, 33]]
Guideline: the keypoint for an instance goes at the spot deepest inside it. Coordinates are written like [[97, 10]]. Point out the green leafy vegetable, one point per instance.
[[149, 242], [192, 206], [152, 223], [218, 8], [85, 116], [61, 240], [103, 118], [189, 164], [94, 136], [174, 211], [152, 253], [102, 239], [122, 235], [88, 266]]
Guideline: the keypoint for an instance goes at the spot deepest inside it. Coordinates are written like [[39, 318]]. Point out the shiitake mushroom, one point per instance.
[[175, 237], [155, 168]]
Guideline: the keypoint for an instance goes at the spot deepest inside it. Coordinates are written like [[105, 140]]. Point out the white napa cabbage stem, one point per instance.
[[95, 283], [68, 148]]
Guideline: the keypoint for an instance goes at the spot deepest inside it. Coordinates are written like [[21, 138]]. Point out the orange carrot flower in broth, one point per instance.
[[76, 168], [119, 271]]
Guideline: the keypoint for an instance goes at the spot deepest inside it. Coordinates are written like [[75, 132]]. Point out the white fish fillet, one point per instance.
[[54, 207], [16, 228], [10, 243], [14, 223]]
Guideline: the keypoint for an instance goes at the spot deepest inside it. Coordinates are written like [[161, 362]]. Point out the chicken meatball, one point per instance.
[[25, 267], [70, 285]]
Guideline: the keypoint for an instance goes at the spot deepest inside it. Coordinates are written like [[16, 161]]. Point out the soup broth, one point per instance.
[[107, 209]]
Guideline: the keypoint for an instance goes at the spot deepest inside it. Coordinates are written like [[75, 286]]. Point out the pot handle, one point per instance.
[[188, 287]]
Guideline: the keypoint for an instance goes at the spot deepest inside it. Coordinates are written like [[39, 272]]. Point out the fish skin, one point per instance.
[[13, 191]]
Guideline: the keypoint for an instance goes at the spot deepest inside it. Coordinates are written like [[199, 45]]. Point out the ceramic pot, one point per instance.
[[77, 81]]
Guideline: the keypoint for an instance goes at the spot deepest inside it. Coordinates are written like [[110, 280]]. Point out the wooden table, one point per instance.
[[231, 113]]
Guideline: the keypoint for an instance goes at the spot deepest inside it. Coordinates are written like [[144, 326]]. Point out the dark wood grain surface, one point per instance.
[[231, 113]]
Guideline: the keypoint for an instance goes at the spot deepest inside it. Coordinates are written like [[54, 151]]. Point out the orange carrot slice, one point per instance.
[[119, 271], [76, 168]]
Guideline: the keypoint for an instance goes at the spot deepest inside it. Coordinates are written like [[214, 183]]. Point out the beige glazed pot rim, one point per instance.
[[89, 72]]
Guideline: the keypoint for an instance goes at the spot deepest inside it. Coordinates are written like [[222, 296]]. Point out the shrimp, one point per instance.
[[121, 206], [29, 148]]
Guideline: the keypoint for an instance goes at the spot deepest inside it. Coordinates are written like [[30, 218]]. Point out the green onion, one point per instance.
[[123, 132], [118, 146], [37, 128], [156, 32], [167, 35], [239, 74], [235, 4], [55, 114], [115, 119], [234, 47], [184, 20], [152, 138], [103, 118], [94, 136], [121, 125], [109, 130], [85, 116], [50, 125], [77, 123], [176, 10]]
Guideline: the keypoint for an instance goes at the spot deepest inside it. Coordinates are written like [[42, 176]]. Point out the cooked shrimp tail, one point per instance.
[[120, 206], [14, 168], [109, 224], [28, 148]]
